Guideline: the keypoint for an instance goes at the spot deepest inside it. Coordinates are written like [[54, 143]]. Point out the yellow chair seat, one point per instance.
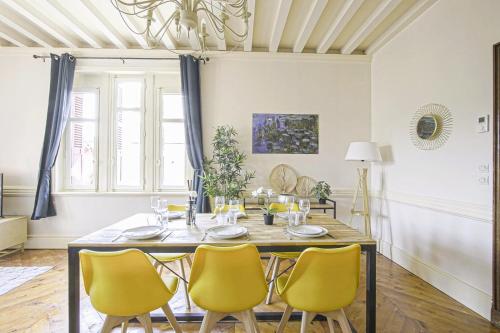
[[176, 208], [172, 283], [281, 208], [281, 283], [169, 257], [286, 255]]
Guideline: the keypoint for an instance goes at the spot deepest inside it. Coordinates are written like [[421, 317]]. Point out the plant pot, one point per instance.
[[268, 219], [322, 201]]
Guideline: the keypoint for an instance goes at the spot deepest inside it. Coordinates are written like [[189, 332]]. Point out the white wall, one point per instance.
[[232, 89], [435, 216]]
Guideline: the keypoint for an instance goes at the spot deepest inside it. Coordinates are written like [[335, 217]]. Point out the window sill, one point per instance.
[[176, 193]]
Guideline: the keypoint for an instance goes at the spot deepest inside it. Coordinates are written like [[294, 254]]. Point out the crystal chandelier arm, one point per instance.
[[164, 28]]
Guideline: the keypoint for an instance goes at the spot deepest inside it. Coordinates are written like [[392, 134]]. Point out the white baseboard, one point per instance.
[[472, 297], [48, 242]]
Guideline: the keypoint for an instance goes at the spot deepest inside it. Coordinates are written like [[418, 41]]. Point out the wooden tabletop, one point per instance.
[[259, 233], [314, 205]]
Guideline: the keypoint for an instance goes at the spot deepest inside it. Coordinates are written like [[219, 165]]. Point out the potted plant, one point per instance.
[[322, 191], [265, 195], [223, 174]]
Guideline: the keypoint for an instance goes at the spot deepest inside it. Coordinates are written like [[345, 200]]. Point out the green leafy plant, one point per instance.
[[322, 190], [223, 174]]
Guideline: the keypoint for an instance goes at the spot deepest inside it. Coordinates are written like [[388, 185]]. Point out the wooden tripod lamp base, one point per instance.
[[362, 152], [362, 188]]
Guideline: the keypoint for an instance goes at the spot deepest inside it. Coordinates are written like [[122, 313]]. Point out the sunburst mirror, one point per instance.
[[431, 126]]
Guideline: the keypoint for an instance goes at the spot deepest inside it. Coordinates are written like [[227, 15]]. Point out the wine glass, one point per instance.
[[220, 202], [234, 208], [163, 212], [305, 207], [155, 200]]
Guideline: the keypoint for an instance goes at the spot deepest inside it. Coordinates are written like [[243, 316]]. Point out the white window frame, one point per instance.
[[67, 146], [159, 145], [113, 128]]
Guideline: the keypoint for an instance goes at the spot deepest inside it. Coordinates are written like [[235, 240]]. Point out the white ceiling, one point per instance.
[[298, 26]]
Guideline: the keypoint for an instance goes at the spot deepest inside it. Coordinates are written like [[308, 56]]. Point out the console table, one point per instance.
[[329, 205], [13, 234]]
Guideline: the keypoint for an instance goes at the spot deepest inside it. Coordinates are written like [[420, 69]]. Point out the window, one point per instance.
[[172, 141], [128, 135], [81, 144]]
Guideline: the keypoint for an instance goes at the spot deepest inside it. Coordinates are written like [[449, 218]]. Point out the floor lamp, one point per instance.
[[363, 152]]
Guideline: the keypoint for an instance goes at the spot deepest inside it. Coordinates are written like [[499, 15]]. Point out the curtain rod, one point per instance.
[[120, 58]]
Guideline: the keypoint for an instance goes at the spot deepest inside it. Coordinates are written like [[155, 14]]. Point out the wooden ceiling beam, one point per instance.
[[312, 19], [24, 31], [345, 15], [11, 40], [279, 24], [247, 44], [167, 40], [73, 24], [104, 26], [35, 18], [376, 17], [416, 10]]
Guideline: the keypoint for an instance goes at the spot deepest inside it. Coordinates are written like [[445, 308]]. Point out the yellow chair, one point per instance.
[[172, 257], [226, 209], [227, 281], [124, 285], [323, 281], [277, 257]]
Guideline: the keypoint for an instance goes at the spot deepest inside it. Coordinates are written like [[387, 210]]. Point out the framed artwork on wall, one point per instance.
[[285, 133]]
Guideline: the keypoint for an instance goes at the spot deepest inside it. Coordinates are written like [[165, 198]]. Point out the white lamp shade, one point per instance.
[[363, 151]]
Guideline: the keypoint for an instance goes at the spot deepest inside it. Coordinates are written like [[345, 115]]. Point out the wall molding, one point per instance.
[[475, 299], [477, 212]]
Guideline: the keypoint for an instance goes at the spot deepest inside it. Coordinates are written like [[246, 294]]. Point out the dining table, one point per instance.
[[179, 237]]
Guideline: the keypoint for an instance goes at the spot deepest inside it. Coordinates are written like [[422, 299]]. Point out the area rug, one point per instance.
[[13, 277]]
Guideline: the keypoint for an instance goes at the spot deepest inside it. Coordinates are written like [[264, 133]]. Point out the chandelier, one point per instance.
[[186, 18]]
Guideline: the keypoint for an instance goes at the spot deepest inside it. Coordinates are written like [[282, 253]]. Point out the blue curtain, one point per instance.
[[190, 78], [62, 72]]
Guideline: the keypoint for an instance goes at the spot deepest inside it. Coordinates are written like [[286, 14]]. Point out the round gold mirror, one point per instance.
[[431, 126], [427, 127]]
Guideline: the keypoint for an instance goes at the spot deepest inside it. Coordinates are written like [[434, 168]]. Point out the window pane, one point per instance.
[[84, 105], [172, 106], [173, 132], [128, 148], [82, 154], [173, 164], [129, 94]]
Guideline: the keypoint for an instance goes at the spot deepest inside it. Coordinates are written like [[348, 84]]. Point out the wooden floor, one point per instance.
[[405, 303]]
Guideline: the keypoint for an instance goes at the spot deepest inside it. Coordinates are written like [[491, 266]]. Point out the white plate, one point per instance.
[[226, 231], [175, 215], [322, 233], [305, 229], [144, 232]]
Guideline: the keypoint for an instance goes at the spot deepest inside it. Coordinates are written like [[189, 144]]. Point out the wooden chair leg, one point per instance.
[[210, 320], [246, 319], [125, 326], [284, 319], [269, 266], [171, 318], [254, 321], [110, 322], [186, 294], [272, 284], [188, 259], [307, 317], [345, 327], [145, 321], [331, 326]]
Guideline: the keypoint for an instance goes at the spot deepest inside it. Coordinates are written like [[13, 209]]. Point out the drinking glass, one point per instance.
[[289, 200], [163, 212], [297, 219], [305, 207], [220, 202], [234, 208], [154, 203]]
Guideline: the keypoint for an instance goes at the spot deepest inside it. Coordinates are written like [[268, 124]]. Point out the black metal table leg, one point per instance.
[[73, 290], [371, 285]]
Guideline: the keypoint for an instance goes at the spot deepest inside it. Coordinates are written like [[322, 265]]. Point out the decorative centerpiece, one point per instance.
[[322, 191], [223, 174], [265, 195]]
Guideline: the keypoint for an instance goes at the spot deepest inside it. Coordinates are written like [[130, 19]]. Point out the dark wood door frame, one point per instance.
[[495, 308]]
